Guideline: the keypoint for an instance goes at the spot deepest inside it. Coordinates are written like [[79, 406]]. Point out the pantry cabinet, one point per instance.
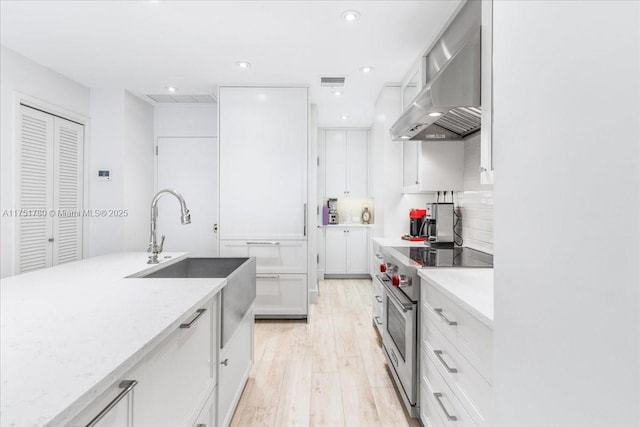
[[346, 250], [346, 161], [429, 166]]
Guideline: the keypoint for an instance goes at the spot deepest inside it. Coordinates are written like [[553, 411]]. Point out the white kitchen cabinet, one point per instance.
[[272, 256], [346, 163], [174, 381], [281, 295], [429, 166], [235, 362], [208, 416], [346, 250], [263, 162], [455, 362]]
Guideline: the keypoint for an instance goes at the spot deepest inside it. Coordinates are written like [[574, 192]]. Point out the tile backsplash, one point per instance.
[[475, 203]]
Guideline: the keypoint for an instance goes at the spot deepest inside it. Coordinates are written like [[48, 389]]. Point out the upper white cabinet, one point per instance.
[[486, 152], [263, 162], [346, 171], [429, 166]]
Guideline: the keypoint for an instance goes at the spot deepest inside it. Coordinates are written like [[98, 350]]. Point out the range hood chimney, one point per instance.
[[448, 106]]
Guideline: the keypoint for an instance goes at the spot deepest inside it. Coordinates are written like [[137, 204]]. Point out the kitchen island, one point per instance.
[[70, 332]]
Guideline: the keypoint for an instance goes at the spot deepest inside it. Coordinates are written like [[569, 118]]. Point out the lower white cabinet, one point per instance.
[[175, 384], [281, 294], [235, 362], [346, 250]]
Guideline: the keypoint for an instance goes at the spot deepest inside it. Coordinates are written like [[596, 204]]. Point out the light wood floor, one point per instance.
[[328, 372]]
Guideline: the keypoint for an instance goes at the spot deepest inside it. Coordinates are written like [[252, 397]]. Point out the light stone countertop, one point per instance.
[[353, 224], [69, 332], [471, 288]]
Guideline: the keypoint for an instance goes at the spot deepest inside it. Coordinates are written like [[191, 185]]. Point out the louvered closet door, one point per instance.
[[67, 190], [35, 192]]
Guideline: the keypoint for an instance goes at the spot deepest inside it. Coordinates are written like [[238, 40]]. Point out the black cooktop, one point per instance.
[[425, 256]]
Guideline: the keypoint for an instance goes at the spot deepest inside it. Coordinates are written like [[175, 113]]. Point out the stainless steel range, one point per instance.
[[401, 304]]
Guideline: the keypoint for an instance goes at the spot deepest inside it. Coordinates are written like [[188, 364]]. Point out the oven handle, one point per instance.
[[405, 306]]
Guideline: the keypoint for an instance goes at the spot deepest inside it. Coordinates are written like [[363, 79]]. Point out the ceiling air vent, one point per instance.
[[332, 81], [184, 99]]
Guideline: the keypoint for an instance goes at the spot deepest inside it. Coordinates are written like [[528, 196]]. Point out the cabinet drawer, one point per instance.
[[281, 294], [180, 374], [442, 400], [429, 414], [207, 417], [272, 256], [470, 336], [122, 413], [473, 391]]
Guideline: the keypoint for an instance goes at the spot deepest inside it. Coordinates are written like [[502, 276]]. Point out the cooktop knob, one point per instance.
[[383, 268], [395, 280]]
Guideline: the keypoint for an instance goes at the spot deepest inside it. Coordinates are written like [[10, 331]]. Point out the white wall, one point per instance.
[[19, 75], [391, 206], [139, 167], [567, 202], [187, 120], [122, 142]]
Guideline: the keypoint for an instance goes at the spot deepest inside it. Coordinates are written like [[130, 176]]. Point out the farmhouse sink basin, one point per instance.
[[198, 268], [237, 296]]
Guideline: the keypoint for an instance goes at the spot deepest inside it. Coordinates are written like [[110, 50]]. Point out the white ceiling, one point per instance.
[[144, 46]]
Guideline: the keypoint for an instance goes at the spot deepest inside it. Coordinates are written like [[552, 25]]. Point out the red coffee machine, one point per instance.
[[416, 220]]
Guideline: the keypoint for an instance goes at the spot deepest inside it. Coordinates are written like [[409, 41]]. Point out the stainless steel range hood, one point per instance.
[[448, 106]]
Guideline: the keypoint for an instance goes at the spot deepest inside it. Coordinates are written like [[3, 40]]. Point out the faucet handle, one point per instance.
[[161, 243]]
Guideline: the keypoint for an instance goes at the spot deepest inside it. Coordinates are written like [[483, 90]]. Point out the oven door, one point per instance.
[[400, 338]]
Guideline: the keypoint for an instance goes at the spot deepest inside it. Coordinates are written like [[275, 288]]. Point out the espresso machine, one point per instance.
[[332, 204], [439, 224]]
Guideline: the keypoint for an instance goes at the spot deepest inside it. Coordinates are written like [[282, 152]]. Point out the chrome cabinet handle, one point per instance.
[[438, 354], [378, 256], [377, 297], [126, 387], [201, 425], [196, 316], [449, 416], [449, 322], [377, 319], [225, 362], [51, 239], [263, 243], [267, 276], [304, 227]]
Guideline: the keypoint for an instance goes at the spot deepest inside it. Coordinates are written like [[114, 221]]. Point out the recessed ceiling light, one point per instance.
[[435, 114], [172, 89], [337, 92], [344, 117], [243, 64], [350, 15], [405, 137], [367, 69]]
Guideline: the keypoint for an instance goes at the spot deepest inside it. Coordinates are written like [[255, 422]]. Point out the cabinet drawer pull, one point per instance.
[[225, 362], [196, 315], [378, 299], [377, 319], [438, 354], [126, 387], [263, 243], [267, 276], [449, 417], [201, 425], [449, 322]]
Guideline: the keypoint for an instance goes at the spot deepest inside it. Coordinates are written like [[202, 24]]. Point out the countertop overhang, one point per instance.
[[70, 331]]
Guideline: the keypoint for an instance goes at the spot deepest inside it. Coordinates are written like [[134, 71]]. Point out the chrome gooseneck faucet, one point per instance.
[[184, 219]]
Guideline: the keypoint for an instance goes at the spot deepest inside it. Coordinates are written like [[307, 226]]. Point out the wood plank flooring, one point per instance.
[[328, 372]]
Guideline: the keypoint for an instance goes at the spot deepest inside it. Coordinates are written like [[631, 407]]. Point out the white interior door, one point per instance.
[[189, 166]]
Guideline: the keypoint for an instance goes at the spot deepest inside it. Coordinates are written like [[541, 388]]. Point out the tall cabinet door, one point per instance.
[[263, 162], [336, 165], [357, 161], [35, 194], [68, 143]]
